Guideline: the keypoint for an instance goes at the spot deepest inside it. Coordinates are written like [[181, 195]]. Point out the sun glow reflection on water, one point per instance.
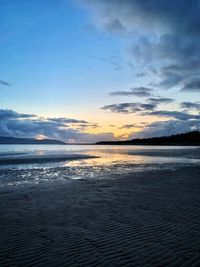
[[106, 162]]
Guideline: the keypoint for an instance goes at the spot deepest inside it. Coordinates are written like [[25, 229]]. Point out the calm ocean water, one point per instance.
[[33, 164]]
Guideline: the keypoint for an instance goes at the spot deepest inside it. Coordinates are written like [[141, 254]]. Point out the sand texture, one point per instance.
[[140, 219]]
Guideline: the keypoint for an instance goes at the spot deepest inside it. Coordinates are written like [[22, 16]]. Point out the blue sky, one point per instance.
[[47, 52], [65, 58]]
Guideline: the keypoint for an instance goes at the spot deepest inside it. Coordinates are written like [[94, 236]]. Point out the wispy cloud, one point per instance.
[[8, 114], [136, 91], [129, 107], [192, 86], [130, 126], [183, 116], [4, 83], [160, 100], [191, 105]]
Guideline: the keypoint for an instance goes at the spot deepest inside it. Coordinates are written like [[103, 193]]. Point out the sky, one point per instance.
[[91, 70]]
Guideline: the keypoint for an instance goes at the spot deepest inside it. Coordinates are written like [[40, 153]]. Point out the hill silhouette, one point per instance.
[[190, 138], [29, 141]]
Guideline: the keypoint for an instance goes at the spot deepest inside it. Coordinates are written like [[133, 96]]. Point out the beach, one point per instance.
[[147, 217], [100, 133]]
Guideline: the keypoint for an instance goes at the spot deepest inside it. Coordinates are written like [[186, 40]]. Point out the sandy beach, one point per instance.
[[137, 219]]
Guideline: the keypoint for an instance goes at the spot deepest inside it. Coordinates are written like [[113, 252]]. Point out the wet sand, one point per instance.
[[139, 219]]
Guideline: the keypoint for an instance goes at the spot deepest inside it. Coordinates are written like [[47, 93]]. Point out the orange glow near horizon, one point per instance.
[[107, 123], [115, 126], [41, 137]]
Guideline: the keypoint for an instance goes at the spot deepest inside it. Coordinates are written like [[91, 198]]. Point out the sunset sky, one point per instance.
[[90, 70]]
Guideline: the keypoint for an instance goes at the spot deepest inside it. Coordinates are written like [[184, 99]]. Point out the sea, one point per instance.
[[25, 165]]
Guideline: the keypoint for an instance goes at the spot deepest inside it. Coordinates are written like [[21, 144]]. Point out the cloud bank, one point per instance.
[[17, 124], [165, 128], [164, 37]]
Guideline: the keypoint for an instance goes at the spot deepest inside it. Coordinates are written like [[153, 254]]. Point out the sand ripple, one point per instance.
[[140, 219]]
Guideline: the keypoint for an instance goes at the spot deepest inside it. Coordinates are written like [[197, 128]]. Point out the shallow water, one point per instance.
[[34, 164]]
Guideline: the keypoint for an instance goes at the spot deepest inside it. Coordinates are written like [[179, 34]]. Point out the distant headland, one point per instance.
[[29, 141], [190, 138]]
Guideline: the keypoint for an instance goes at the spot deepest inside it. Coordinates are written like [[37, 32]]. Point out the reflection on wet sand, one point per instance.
[[91, 162]]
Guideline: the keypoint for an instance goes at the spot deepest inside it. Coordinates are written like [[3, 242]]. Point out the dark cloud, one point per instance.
[[192, 85], [135, 107], [6, 114], [129, 107], [182, 116], [191, 105], [131, 13], [4, 83], [129, 126], [175, 56], [169, 79], [164, 128], [160, 100], [65, 120], [150, 110], [165, 36], [17, 124], [136, 91]]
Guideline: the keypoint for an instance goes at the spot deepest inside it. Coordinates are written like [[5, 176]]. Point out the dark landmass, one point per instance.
[[29, 141], [190, 138]]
